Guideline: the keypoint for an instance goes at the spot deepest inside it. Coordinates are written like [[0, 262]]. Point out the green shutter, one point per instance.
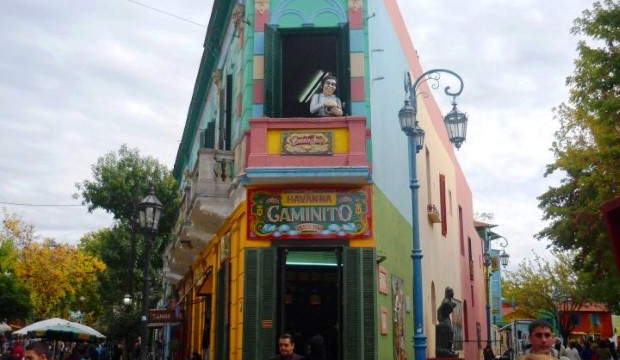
[[344, 68], [221, 315], [259, 310], [359, 281], [209, 136], [273, 71], [229, 111], [221, 120]]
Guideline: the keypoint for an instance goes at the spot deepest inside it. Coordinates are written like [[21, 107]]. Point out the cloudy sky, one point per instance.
[[80, 78]]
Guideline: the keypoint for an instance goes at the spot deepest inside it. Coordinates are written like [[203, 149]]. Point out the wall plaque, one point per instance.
[[307, 142]]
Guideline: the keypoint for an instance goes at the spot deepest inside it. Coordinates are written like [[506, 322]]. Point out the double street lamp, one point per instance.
[[456, 125], [149, 212]]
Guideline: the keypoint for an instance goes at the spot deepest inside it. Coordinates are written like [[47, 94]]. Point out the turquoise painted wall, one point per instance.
[[300, 13]]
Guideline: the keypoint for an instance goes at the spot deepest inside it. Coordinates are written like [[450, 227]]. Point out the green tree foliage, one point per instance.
[[14, 295], [14, 298], [548, 285], [119, 181], [587, 150], [112, 246]]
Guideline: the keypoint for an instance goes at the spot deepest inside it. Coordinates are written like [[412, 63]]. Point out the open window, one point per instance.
[[296, 59]]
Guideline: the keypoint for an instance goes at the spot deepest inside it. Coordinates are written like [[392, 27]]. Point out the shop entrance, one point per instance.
[[310, 293]]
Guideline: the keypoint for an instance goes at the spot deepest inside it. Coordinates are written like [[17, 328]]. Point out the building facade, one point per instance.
[[299, 224]]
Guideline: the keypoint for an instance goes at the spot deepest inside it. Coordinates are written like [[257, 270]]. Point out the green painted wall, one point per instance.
[[393, 237]]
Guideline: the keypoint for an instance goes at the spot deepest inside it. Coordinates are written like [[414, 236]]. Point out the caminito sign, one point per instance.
[[302, 213]]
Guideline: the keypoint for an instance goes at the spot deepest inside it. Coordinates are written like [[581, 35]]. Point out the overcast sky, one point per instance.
[[80, 78]]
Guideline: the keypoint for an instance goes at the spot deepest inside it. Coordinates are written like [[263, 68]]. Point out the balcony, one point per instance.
[[307, 150], [205, 207]]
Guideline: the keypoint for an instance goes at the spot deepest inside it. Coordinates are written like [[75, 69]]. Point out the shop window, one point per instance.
[[296, 60]]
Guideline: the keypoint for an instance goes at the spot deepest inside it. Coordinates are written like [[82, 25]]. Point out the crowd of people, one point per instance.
[[543, 344], [16, 349]]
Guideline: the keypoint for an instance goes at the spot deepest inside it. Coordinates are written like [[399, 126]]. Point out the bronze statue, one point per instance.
[[444, 331]]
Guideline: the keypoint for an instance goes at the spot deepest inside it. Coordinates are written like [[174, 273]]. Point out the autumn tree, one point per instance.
[[16, 229], [61, 278], [548, 285], [587, 151]]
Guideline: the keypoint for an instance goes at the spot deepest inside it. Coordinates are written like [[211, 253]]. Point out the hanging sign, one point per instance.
[[164, 316], [308, 213]]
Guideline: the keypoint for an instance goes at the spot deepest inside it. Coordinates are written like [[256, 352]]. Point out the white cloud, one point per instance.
[[80, 78]]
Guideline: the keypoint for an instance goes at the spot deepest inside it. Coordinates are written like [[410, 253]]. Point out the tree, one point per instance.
[[587, 151], [549, 286], [121, 180], [60, 278], [14, 296], [112, 246], [14, 228]]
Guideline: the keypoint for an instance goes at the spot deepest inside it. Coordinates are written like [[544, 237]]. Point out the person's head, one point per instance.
[[329, 84], [286, 344], [37, 351], [541, 337], [449, 292], [572, 344], [558, 341]]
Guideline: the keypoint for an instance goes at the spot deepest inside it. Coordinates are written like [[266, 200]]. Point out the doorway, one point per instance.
[[311, 297]]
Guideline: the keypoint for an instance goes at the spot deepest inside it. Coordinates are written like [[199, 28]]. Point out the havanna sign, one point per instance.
[[308, 213]]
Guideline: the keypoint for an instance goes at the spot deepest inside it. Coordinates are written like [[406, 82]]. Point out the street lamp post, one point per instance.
[[487, 263], [456, 124], [149, 211]]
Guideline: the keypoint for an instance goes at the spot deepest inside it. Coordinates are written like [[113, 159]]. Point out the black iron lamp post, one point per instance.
[[149, 212], [456, 125]]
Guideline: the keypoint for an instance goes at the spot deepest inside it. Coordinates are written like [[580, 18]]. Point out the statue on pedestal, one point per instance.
[[444, 332]]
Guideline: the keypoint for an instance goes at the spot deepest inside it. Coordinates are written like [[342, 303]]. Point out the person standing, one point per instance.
[[487, 353], [316, 349], [286, 347], [571, 352], [18, 351]]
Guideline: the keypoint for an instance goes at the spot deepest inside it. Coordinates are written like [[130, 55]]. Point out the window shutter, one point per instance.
[[359, 282], [208, 136], [221, 120], [442, 196], [273, 71], [344, 68], [221, 314], [259, 310], [229, 111]]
